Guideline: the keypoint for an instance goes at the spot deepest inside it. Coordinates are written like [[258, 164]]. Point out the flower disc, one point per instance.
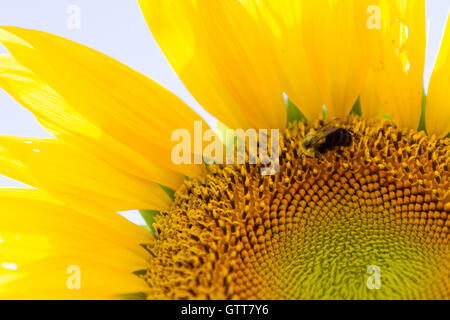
[[367, 221]]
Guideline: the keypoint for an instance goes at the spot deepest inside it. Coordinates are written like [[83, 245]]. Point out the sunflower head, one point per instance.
[[312, 230], [354, 208]]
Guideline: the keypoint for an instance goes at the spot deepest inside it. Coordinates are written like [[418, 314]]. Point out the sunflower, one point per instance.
[[316, 229]]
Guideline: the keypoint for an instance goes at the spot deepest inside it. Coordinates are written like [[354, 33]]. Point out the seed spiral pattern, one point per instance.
[[312, 230]]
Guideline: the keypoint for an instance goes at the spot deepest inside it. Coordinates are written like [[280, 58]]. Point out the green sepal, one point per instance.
[[142, 272], [133, 296], [170, 192], [293, 112], [149, 217], [221, 130], [228, 136], [422, 125], [356, 109]]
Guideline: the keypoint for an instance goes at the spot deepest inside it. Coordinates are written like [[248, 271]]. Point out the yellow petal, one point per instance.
[[67, 170], [49, 279], [116, 100], [92, 213], [332, 45], [41, 239], [64, 122], [438, 99], [224, 56], [399, 64], [371, 106], [284, 18]]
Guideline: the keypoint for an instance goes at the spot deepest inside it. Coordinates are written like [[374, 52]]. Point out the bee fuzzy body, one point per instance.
[[326, 139], [339, 138]]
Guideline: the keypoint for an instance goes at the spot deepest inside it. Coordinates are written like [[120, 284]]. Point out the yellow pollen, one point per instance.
[[316, 228]]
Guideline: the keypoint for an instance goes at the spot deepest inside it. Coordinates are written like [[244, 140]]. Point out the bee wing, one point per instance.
[[316, 138], [325, 131], [333, 122]]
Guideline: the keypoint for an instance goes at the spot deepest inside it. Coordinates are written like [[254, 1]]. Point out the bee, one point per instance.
[[327, 138]]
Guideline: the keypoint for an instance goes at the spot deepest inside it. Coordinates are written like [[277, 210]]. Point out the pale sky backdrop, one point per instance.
[[117, 28]]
